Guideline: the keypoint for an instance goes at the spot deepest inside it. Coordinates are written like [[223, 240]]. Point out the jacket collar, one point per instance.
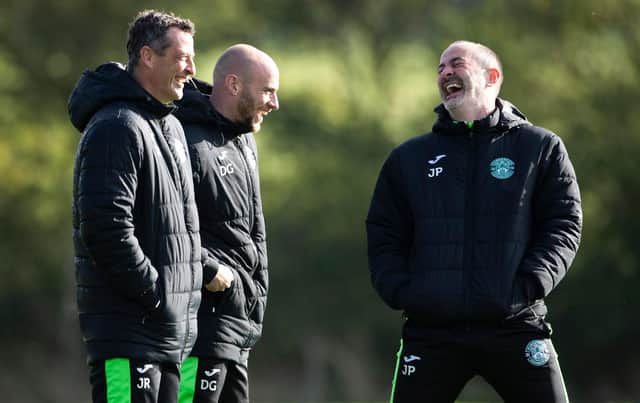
[[195, 108], [504, 116]]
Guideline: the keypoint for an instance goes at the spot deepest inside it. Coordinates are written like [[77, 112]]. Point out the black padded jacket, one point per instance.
[[137, 245], [474, 224], [227, 187]]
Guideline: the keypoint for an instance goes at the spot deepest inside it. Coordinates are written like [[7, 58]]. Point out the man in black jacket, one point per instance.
[[219, 122], [470, 227], [137, 243]]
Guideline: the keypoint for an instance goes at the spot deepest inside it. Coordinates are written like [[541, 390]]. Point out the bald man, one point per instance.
[[220, 122], [470, 227]]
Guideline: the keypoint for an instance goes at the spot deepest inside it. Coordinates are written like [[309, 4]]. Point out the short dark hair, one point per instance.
[[149, 28]]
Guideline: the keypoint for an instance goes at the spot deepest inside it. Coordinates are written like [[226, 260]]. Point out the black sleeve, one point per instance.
[[389, 235], [108, 178], [557, 221], [210, 267]]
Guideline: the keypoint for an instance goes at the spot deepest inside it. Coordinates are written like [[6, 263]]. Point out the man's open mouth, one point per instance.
[[452, 87]]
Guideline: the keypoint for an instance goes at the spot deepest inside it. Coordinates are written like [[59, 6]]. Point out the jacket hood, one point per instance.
[[195, 108], [109, 83], [505, 116]]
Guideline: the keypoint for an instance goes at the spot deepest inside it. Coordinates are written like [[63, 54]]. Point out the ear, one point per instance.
[[494, 77], [233, 84], [147, 56]]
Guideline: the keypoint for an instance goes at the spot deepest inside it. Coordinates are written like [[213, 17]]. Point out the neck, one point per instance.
[[141, 79], [146, 84], [226, 124], [222, 107], [472, 112]]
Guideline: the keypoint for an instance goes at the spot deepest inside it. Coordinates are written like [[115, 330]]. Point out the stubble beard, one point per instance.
[[246, 110]]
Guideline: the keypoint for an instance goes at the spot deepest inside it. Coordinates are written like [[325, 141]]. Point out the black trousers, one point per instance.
[[214, 381], [517, 359], [123, 380]]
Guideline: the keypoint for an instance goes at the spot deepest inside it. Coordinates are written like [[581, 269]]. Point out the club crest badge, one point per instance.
[[502, 168], [537, 353]]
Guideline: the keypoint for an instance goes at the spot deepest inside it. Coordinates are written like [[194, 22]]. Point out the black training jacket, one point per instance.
[[137, 247], [474, 225], [227, 187]]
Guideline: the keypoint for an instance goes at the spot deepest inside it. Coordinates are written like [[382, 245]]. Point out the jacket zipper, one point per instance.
[[251, 186], [468, 225], [175, 171], [179, 182], [188, 333]]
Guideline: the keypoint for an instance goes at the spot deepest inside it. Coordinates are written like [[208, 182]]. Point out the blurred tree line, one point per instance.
[[357, 78]]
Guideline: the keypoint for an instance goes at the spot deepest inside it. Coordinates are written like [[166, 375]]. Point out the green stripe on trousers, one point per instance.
[[118, 374], [395, 374], [188, 373]]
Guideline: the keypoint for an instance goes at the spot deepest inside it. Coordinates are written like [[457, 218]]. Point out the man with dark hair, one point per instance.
[[136, 231], [150, 30], [220, 122], [470, 227]]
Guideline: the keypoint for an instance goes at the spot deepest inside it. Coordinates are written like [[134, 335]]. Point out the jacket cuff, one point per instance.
[[209, 271], [532, 288]]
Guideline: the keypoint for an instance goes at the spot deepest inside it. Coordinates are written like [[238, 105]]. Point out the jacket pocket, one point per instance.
[[433, 296], [153, 303], [233, 301]]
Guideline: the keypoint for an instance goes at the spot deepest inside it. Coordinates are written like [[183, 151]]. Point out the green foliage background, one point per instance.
[[357, 78]]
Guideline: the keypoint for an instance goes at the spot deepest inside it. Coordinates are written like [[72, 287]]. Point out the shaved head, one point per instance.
[[242, 60], [484, 55], [469, 80], [245, 85]]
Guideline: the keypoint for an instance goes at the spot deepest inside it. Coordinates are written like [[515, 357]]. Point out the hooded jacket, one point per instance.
[[136, 236], [474, 224], [227, 187]]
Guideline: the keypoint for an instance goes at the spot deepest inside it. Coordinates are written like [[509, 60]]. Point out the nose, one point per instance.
[[447, 71], [273, 102], [191, 67]]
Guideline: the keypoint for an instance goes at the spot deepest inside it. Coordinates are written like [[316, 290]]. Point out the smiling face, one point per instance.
[[258, 95], [467, 87], [245, 86], [172, 67]]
